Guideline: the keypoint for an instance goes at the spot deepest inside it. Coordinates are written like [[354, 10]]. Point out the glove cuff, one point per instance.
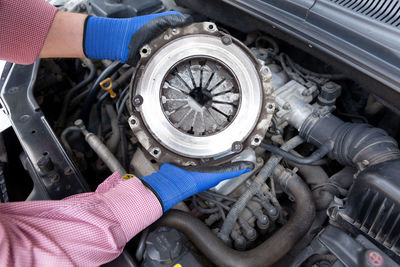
[[106, 38], [155, 193], [170, 188], [84, 36]]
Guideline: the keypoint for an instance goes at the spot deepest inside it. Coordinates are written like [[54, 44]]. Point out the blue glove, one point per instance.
[[121, 39], [172, 184]]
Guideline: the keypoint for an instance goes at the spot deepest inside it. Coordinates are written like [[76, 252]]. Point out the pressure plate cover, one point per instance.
[[199, 96]]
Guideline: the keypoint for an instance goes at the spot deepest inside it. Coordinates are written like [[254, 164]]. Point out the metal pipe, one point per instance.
[[101, 150], [64, 139]]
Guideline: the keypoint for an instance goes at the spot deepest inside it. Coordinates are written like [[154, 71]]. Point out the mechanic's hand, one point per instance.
[[172, 184], [121, 39]]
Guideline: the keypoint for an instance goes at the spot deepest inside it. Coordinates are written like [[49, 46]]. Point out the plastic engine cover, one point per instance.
[[373, 206]]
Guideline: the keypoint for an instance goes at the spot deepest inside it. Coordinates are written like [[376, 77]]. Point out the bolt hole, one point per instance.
[[270, 106], [210, 27], [156, 151], [256, 140], [153, 161], [45, 153], [33, 131], [144, 50]]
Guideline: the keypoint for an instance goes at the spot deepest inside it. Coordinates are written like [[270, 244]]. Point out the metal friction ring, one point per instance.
[[201, 93]]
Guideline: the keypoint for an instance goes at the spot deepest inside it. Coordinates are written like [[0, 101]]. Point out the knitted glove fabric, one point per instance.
[[172, 184], [121, 39]]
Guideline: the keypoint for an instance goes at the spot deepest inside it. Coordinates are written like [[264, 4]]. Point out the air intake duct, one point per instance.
[[355, 144]]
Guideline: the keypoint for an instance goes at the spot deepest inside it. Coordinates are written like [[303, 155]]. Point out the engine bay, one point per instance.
[[324, 190]]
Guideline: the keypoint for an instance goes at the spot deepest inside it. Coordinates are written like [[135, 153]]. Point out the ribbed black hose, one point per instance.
[[94, 90], [355, 144], [266, 254]]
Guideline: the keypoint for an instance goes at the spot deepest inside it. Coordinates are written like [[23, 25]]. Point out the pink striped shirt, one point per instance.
[[87, 229], [83, 230], [24, 25]]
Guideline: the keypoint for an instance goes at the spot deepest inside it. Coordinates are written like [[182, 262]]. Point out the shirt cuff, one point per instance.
[[24, 25], [134, 205]]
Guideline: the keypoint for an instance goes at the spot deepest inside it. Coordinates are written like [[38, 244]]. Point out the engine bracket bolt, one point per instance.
[[137, 101], [237, 146], [226, 40], [132, 121], [45, 164], [286, 106]]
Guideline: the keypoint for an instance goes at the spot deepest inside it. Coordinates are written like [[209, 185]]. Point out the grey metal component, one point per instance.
[[292, 100], [141, 165], [101, 150], [279, 76], [228, 186], [211, 95], [36, 136]]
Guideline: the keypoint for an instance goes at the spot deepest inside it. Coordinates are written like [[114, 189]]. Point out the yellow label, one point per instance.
[[128, 176]]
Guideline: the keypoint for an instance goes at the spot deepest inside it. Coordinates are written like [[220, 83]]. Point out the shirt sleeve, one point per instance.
[[87, 229], [24, 26]]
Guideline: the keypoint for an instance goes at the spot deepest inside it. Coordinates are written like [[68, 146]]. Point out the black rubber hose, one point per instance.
[[74, 91], [355, 144], [123, 78], [142, 245], [267, 253], [99, 104], [94, 90], [315, 177], [121, 124], [314, 157]]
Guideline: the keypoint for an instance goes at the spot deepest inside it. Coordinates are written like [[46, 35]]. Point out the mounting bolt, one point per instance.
[[270, 108], [237, 146], [286, 106], [68, 171], [226, 40], [55, 178], [137, 101], [365, 163], [45, 164], [79, 123], [306, 92], [132, 121]]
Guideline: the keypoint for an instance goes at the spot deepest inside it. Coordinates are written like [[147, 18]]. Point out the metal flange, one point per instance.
[[202, 92]]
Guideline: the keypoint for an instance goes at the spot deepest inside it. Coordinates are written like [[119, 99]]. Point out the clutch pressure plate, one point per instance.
[[199, 96]]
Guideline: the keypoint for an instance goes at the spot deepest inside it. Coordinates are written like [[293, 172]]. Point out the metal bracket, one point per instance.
[[60, 178]]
